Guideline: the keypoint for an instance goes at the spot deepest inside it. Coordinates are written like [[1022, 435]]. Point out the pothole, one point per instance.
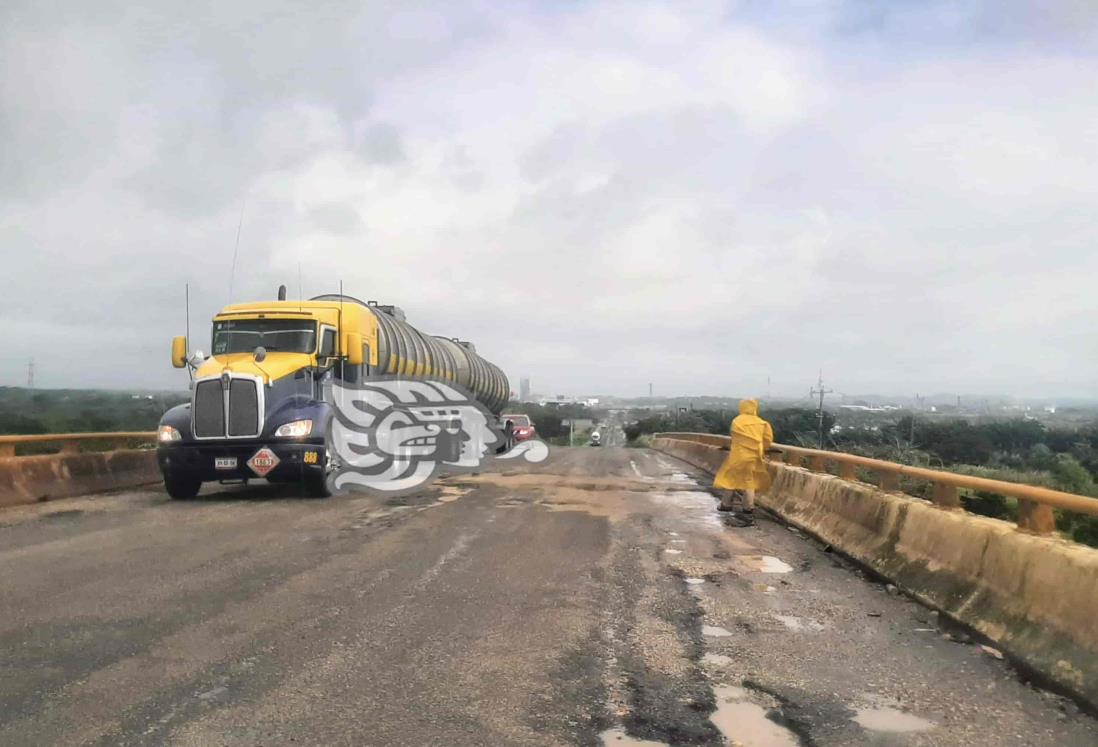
[[745, 723]]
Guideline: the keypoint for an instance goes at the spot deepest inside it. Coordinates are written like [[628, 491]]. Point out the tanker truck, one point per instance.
[[257, 408]]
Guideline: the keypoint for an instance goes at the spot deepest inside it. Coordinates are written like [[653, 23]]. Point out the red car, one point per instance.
[[522, 428]]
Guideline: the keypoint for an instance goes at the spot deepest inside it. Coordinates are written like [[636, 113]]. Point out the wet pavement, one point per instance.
[[597, 599]]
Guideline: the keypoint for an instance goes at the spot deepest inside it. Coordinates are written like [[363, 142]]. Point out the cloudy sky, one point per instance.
[[700, 195]]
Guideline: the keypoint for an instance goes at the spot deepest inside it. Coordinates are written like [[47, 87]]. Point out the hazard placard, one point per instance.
[[263, 461]]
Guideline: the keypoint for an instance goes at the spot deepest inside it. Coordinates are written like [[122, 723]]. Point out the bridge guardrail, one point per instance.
[[70, 441], [1035, 503]]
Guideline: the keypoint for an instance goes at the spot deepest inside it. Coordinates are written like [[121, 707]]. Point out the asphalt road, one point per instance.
[[593, 596]]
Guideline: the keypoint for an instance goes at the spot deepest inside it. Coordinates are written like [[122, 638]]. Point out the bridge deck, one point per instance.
[[545, 607]]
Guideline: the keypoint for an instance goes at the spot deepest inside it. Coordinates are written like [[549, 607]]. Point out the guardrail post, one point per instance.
[[1036, 518], [7, 450], [817, 463], [848, 471], [889, 482], [945, 496], [793, 459]]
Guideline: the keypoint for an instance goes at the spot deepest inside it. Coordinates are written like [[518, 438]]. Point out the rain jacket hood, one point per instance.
[[745, 466]]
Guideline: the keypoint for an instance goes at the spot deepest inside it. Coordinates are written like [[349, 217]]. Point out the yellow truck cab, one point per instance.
[[257, 408]]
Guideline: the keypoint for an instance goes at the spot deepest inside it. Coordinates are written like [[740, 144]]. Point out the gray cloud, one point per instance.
[[601, 195]]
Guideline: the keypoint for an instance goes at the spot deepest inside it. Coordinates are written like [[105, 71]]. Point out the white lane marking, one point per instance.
[[891, 720], [636, 470], [695, 581], [714, 631], [671, 551]]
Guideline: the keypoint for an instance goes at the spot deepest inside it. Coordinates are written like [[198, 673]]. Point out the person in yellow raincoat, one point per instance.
[[744, 468]]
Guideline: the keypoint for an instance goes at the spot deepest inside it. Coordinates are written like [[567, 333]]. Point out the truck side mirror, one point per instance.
[[352, 345], [179, 352]]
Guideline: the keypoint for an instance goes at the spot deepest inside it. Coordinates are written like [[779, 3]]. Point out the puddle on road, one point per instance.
[[696, 507], [891, 719], [618, 737], [744, 723], [714, 631], [765, 563]]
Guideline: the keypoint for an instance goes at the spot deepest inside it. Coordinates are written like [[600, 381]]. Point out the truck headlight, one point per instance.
[[167, 434], [295, 429]]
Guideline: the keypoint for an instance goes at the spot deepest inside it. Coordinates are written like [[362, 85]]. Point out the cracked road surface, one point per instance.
[[594, 599]]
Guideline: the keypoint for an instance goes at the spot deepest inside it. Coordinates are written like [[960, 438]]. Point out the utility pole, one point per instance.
[[30, 374], [820, 410]]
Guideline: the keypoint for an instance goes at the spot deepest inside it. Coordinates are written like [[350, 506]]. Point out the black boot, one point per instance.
[[745, 518]]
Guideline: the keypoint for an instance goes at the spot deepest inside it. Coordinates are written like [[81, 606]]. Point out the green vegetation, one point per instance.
[[29, 411]]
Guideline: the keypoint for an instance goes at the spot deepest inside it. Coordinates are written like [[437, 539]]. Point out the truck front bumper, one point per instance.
[[211, 461]]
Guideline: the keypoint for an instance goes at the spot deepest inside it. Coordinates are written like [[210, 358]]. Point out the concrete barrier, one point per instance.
[[1035, 597], [32, 479]]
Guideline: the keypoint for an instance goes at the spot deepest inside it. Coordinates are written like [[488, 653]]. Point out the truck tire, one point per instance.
[[180, 487], [317, 487]]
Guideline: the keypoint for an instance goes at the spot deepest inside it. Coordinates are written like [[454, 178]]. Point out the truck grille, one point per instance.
[[209, 410], [210, 419], [243, 408]]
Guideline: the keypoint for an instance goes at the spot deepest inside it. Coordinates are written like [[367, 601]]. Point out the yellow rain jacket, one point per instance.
[[744, 467]]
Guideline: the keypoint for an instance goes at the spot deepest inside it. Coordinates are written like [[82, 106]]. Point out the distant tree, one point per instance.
[[797, 425], [12, 423]]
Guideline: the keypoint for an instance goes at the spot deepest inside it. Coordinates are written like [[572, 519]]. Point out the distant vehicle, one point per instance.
[[596, 439], [522, 428]]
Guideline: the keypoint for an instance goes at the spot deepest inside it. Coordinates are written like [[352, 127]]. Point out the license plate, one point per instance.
[[225, 463]]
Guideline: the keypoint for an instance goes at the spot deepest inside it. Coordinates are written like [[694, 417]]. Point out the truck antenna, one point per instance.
[[236, 248], [339, 331], [187, 304]]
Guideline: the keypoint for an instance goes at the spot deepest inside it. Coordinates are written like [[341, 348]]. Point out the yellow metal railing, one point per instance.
[[70, 442], [1035, 503]]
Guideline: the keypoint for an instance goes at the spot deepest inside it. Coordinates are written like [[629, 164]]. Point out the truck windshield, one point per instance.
[[282, 335]]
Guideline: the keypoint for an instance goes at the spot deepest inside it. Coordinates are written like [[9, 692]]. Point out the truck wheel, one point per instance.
[[180, 487], [317, 487]]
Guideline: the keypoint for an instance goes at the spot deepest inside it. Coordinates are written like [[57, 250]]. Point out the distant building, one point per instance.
[[524, 389]]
